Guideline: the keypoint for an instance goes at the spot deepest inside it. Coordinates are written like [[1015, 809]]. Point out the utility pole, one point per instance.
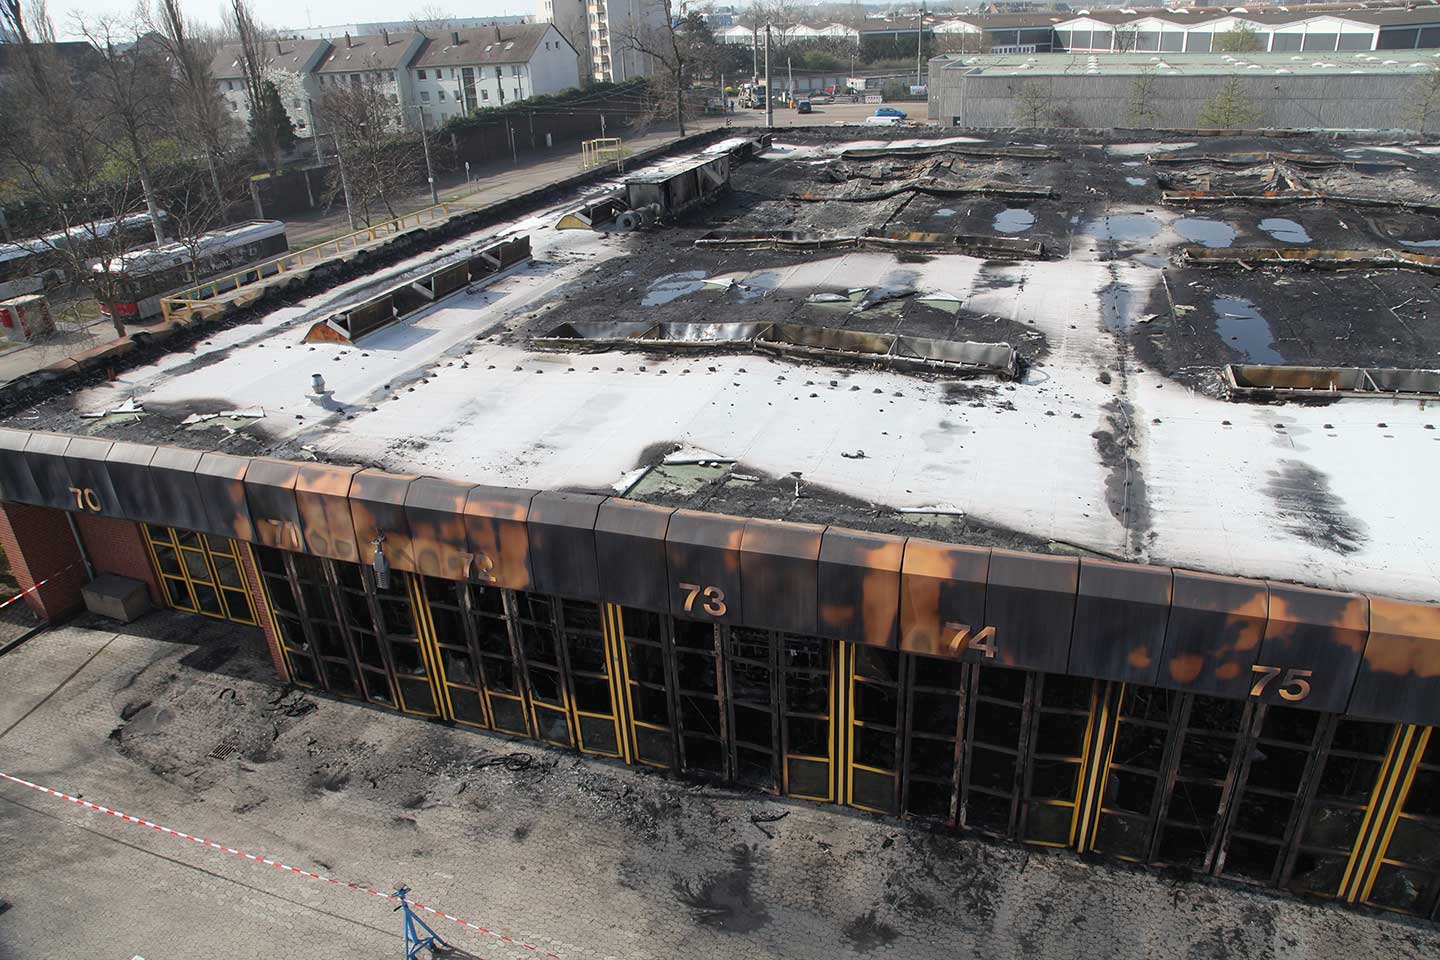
[[919, 40], [314, 130], [429, 170], [344, 181], [790, 71], [769, 90]]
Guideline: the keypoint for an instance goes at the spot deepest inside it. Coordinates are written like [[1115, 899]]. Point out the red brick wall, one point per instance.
[[262, 611], [38, 544], [115, 546]]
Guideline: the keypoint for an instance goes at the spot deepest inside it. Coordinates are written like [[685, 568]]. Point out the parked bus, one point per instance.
[[151, 274], [29, 266]]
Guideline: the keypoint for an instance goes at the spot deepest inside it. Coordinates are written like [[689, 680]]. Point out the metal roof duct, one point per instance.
[[1258, 381], [796, 339]]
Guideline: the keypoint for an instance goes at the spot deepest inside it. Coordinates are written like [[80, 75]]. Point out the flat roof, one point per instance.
[[1193, 64], [1115, 439]]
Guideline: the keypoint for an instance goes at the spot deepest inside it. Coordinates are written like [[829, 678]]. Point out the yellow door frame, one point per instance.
[[1392, 786]]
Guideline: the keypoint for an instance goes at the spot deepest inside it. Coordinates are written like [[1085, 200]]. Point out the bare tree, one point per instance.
[[1422, 104], [133, 94], [53, 145], [259, 90], [1033, 105], [1140, 108], [430, 13], [381, 158], [670, 49], [198, 108]]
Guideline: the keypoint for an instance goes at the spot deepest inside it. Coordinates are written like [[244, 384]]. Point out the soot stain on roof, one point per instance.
[[1310, 511]]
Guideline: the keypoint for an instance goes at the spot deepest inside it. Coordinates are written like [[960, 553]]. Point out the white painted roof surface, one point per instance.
[[524, 418]]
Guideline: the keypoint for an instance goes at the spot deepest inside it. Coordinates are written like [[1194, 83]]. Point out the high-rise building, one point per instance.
[[605, 33]]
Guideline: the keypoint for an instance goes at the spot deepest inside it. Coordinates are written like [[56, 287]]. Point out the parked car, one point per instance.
[[803, 106], [890, 112], [878, 121]]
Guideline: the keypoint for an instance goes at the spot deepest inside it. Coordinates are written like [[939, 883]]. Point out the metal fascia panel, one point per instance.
[[702, 551], [377, 506], [561, 527], [1399, 675], [1214, 634], [322, 499], [220, 478], [497, 531], [1319, 631], [630, 548], [780, 574], [1030, 603], [942, 600], [1121, 611], [859, 587]]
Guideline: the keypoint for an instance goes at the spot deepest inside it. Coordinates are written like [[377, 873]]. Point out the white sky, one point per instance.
[[302, 13]]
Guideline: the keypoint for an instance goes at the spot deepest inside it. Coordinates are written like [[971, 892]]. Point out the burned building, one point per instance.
[[924, 477]]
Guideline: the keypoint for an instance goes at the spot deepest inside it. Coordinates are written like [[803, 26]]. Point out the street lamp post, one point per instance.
[[425, 142]]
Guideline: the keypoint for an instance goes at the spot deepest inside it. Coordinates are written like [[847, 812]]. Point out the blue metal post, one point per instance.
[[414, 942]]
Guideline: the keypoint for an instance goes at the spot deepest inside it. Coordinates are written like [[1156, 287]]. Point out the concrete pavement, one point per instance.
[[584, 858]]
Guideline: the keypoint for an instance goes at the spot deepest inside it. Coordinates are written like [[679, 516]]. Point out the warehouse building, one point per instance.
[[1281, 91], [901, 475]]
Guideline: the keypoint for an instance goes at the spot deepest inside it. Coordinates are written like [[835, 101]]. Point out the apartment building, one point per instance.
[[602, 32], [434, 76], [468, 70], [289, 64], [382, 59]]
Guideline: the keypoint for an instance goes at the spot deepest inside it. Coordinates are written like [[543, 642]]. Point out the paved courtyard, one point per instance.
[[177, 720]]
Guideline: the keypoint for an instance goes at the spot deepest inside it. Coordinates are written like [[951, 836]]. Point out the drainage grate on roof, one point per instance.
[[226, 748]]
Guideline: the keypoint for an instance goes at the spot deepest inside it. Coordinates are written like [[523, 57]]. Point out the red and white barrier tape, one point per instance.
[[273, 863], [37, 586]]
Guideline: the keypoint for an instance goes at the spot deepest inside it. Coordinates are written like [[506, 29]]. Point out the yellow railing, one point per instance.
[[602, 151], [208, 292]]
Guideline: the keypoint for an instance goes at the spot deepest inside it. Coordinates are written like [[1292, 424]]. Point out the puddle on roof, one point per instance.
[[1242, 327], [1013, 220], [945, 212], [1207, 233], [1123, 227], [1286, 231], [673, 286], [1420, 243], [1136, 181]]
